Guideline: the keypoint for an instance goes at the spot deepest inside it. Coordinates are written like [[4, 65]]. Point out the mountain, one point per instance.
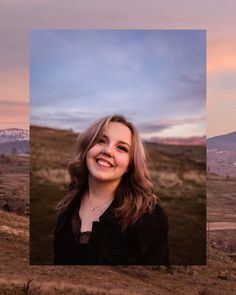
[[221, 155], [226, 142], [14, 141], [13, 134]]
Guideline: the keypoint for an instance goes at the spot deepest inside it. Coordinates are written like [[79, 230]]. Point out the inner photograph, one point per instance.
[[118, 147]]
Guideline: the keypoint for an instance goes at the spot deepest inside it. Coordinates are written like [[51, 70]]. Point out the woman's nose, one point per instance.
[[108, 150]]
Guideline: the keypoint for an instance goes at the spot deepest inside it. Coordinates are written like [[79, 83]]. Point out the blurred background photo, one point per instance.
[[157, 79]]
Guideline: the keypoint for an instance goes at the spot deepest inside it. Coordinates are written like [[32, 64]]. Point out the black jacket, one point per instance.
[[145, 242]]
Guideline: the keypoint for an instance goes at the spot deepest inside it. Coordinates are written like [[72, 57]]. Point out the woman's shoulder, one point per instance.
[[157, 213], [152, 236], [155, 220], [66, 214]]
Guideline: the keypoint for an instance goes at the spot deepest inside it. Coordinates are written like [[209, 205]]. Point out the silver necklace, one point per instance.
[[92, 208]]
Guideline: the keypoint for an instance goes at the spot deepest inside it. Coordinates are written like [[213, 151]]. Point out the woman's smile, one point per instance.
[[103, 163]]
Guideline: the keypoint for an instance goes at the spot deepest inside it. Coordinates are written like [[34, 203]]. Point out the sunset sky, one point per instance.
[[19, 17]]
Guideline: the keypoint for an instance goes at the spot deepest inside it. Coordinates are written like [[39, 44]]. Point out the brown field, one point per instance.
[[221, 213], [15, 272], [218, 277]]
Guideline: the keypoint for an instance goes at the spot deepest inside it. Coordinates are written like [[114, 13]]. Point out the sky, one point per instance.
[[157, 78], [19, 17]]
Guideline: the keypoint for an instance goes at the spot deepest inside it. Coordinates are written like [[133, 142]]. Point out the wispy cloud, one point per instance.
[[163, 124], [75, 119]]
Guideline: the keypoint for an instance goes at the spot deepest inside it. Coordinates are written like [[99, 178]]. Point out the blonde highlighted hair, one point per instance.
[[135, 191]]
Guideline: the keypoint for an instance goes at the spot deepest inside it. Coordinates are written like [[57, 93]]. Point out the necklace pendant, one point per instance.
[[91, 208]]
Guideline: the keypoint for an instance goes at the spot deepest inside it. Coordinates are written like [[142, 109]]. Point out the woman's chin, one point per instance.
[[104, 177]]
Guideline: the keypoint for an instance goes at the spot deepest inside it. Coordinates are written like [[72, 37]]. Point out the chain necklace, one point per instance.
[[92, 208]]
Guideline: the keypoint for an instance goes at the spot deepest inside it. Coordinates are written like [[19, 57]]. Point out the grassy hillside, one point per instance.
[[217, 278], [14, 183], [179, 180]]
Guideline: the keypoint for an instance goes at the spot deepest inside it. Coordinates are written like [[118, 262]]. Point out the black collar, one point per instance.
[[107, 216]]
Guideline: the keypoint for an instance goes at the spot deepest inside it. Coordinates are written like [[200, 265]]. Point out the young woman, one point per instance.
[[110, 214]]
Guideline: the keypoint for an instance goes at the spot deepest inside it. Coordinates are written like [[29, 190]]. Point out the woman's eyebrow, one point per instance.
[[120, 141]]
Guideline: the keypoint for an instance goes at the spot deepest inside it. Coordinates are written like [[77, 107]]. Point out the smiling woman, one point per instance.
[[110, 214]]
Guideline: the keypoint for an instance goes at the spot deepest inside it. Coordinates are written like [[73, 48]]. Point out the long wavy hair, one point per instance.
[[135, 191]]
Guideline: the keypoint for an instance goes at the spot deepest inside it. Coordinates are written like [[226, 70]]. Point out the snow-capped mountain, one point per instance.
[[13, 134]]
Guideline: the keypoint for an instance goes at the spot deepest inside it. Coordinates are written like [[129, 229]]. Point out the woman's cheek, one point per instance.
[[124, 161], [93, 151]]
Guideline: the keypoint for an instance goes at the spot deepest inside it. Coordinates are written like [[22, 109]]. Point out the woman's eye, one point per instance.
[[101, 140], [122, 148]]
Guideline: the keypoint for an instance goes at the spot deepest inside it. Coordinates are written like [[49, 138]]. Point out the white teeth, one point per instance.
[[103, 163]]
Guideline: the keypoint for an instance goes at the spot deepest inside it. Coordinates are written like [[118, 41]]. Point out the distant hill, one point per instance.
[[189, 141], [221, 154], [14, 141], [15, 147], [226, 142]]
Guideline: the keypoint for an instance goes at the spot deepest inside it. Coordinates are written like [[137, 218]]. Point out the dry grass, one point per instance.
[[15, 272], [14, 183], [221, 209], [57, 176], [55, 288]]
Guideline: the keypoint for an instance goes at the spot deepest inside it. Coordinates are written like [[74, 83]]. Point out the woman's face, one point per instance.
[[109, 158]]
